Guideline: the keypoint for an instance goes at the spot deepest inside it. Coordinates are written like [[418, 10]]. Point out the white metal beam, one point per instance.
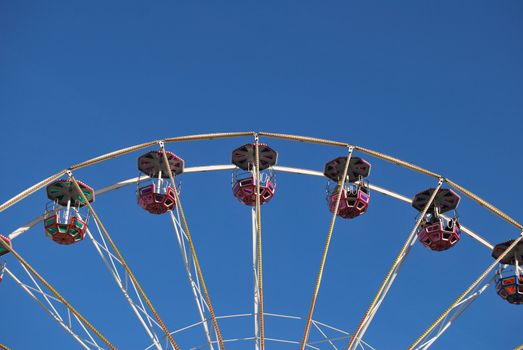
[[193, 279], [51, 310], [111, 264], [460, 308], [210, 168], [255, 279]]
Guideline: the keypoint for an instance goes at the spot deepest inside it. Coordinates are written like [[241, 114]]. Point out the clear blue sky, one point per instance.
[[439, 84]]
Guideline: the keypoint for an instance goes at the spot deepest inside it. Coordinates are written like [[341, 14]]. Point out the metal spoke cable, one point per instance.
[[255, 279], [259, 245], [341, 183], [195, 285], [56, 294], [122, 260], [467, 291], [460, 309], [109, 263], [193, 250], [356, 338]]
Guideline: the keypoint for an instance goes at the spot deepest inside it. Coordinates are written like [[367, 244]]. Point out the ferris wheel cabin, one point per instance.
[[436, 232], [355, 194], [510, 286], [64, 222], [244, 179], [156, 194]]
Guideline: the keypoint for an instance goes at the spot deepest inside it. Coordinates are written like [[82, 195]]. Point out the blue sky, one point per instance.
[[436, 83]]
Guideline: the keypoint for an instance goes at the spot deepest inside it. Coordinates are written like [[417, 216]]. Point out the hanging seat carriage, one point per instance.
[[355, 193], [244, 178], [509, 283], [65, 222], [156, 193], [437, 232]]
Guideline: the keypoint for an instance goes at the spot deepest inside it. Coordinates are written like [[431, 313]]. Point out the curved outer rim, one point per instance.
[[289, 137], [210, 168]]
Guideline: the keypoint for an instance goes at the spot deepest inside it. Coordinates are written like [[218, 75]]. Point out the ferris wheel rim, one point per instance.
[[224, 135], [224, 167]]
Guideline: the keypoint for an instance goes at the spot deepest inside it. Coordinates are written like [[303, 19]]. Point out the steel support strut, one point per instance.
[[192, 275], [459, 309], [391, 275], [259, 255], [47, 303], [255, 279], [193, 249], [112, 263], [32, 272], [123, 262], [467, 291], [341, 184]]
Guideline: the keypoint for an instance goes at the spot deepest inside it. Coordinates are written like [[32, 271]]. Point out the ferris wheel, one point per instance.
[[72, 218]]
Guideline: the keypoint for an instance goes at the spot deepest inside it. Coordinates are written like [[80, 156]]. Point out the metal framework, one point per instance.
[[123, 262], [255, 278], [57, 310], [126, 286], [193, 250], [390, 277], [458, 309], [341, 183], [135, 296], [259, 256], [321, 332], [192, 275]]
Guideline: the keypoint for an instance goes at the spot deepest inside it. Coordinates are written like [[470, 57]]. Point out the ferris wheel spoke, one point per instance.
[[192, 248], [259, 256], [195, 285], [467, 291], [111, 262], [255, 278], [391, 275], [45, 302], [341, 183], [122, 260], [449, 320], [32, 272]]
